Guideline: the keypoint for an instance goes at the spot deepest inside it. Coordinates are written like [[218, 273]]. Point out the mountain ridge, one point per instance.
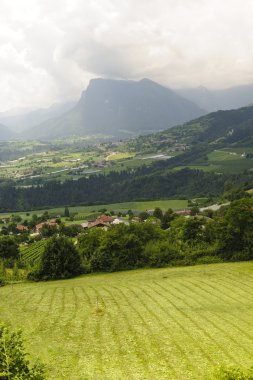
[[120, 108]]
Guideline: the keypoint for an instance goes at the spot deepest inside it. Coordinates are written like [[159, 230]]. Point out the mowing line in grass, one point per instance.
[[188, 332], [227, 335], [152, 338], [183, 352], [211, 338]]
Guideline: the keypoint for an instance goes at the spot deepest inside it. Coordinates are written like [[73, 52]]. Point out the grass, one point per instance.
[[84, 211], [119, 156], [173, 323]]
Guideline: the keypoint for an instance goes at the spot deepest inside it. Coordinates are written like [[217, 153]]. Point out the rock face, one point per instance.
[[120, 108]]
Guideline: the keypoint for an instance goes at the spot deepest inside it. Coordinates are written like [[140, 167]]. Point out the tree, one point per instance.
[[48, 230], [167, 218], [60, 259], [143, 215], [158, 213], [235, 232], [8, 248], [14, 364], [66, 212], [192, 230]]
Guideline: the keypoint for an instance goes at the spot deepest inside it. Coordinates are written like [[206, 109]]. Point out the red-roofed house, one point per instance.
[[21, 228]]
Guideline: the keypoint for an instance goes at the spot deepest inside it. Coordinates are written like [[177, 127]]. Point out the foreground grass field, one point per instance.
[[175, 323]]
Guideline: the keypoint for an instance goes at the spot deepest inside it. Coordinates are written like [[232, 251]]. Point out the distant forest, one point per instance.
[[142, 184]]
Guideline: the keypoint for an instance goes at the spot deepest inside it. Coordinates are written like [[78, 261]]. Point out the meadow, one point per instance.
[[172, 323], [85, 211]]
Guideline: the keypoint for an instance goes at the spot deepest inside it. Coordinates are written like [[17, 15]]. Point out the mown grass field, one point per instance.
[[173, 323]]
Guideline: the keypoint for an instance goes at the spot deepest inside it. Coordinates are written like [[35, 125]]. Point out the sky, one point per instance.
[[50, 49]]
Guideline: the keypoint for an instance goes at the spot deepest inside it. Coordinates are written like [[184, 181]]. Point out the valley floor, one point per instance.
[[173, 323]]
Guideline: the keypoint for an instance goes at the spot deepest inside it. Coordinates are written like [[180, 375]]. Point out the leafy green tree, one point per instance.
[[16, 218], [192, 230], [89, 242], [235, 231], [167, 218], [60, 259], [47, 230], [66, 212], [71, 230], [158, 213], [8, 248], [194, 210], [14, 364], [143, 215]]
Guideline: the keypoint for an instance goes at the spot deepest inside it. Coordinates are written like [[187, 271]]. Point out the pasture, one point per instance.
[[173, 323], [84, 211]]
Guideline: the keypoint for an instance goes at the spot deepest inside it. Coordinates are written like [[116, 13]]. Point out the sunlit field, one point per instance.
[[174, 323]]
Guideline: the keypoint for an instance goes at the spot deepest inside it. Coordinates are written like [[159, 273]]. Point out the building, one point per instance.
[[21, 228]]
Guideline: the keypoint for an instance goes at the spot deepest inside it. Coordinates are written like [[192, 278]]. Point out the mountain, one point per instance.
[[5, 133], [214, 100], [20, 120], [120, 108]]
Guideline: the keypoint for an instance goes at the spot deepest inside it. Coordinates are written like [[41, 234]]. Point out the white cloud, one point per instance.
[[49, 50]]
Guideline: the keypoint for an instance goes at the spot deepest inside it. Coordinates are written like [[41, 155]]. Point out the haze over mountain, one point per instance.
[[5, 133], [19, 120], [214, 100], [120, 108]]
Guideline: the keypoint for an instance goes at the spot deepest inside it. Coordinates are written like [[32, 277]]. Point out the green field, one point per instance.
[[175, 323], [84, 211]]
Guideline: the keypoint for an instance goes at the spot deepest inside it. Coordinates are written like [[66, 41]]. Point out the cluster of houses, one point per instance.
[[38, 227], [103, 221]]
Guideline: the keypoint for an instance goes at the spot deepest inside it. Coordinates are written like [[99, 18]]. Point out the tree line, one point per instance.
[[173, 240], [142, 184]]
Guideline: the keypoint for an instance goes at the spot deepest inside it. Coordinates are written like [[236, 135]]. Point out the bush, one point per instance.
[[158, 253], [234, 373], [209, 260], [14, 364]]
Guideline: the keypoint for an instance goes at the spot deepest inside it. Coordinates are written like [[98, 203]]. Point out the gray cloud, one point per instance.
[[49, 50]]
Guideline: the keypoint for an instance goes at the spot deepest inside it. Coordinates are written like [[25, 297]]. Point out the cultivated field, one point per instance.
[[175, 323]]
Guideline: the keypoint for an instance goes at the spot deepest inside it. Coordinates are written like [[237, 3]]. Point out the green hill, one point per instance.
[[227, 127], [175, 323]]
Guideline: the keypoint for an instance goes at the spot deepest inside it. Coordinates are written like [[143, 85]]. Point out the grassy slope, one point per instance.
[[176, 323]]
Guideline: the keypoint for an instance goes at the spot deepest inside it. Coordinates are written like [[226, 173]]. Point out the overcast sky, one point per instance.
[[50, 49]]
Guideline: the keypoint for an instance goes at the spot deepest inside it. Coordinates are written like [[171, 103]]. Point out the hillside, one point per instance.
[[21, 120], [226, 127], [174, 323], [119, 109], [5, 133], [224, 99]]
